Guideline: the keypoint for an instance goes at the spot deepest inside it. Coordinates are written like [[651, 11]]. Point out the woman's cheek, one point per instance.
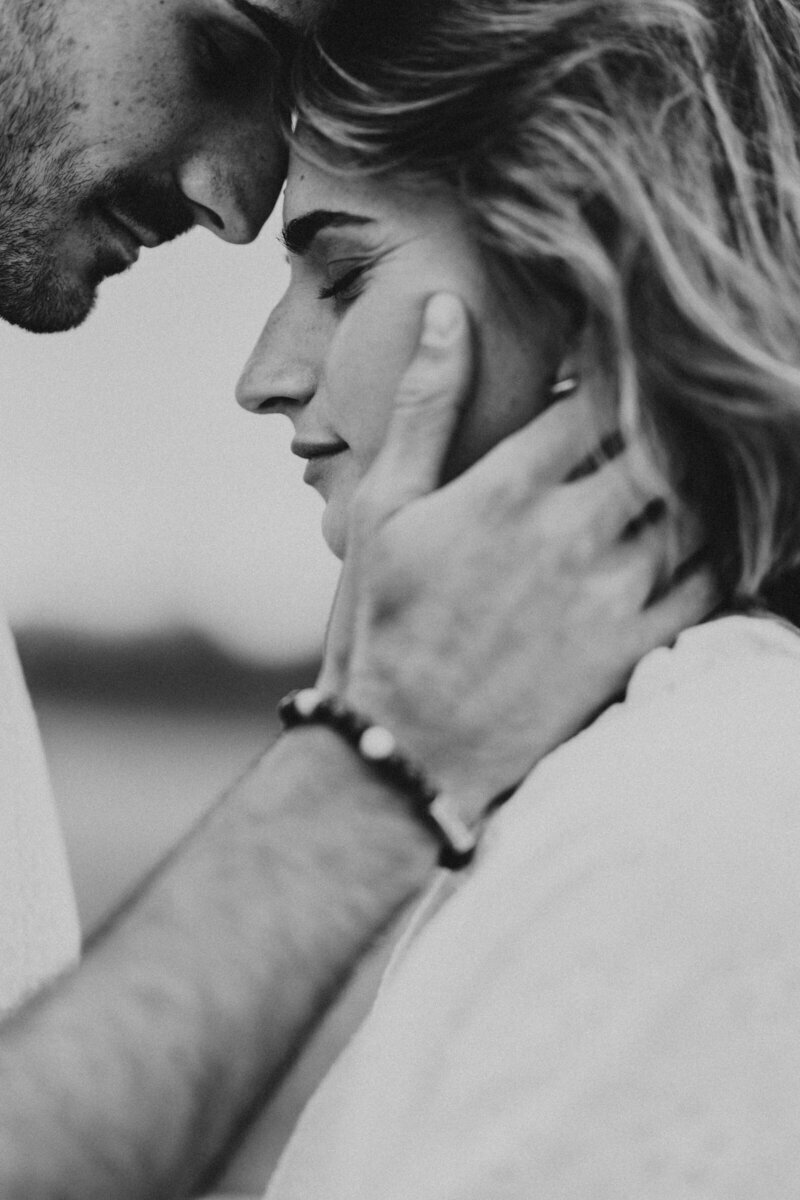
[[374, 346]]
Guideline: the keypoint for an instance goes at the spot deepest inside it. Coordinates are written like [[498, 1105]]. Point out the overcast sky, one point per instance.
[[135, 494]]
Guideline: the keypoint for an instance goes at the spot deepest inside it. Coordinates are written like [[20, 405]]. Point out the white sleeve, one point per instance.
[[664, 964], [610, 1008]]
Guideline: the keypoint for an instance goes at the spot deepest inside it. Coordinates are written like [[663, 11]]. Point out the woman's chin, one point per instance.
[[334, 531]]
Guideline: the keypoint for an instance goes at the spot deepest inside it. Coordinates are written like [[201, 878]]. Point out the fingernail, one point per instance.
[[442, 322]]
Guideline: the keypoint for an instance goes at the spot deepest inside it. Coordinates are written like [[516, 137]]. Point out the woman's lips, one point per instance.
[[317, 449], [319, 455]]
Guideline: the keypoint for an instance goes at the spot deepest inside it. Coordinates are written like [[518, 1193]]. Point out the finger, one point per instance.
[[542, 454], [687, 603], [663, 552], [608, 506], [641, 461], [338, 634], [429, 401], [608, 447], [629, 471], [675, 545]]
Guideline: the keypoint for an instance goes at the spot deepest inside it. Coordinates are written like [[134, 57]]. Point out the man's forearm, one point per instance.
[[132, 1076]]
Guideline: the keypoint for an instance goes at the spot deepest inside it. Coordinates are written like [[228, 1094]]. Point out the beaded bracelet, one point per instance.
[[377, 747]]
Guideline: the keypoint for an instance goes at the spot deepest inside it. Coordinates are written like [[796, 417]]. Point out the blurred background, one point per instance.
[[164, 570], [164, 574]]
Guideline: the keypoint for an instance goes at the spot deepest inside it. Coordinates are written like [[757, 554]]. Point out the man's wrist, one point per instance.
[[379, 750], [337, 776]]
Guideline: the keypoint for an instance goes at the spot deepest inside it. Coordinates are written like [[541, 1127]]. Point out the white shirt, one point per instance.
[[608, 1006], [39, 933]]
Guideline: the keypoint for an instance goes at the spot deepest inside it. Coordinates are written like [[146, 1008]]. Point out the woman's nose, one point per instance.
[[277, 377]]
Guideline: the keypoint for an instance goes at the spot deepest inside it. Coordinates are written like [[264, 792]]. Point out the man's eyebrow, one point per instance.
[[280, 33], [299, 234]]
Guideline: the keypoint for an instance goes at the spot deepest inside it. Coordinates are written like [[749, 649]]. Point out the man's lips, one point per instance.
[[137, 232]]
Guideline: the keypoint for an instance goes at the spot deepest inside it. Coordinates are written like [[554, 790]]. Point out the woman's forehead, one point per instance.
[[312, 185]]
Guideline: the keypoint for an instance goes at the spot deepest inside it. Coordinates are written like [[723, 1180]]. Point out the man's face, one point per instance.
[[123, 123]]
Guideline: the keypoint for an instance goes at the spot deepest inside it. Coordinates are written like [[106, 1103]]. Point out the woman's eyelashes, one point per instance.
[[346, 287]]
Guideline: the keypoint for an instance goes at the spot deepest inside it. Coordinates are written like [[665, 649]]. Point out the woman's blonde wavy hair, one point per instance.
[[639, 158]]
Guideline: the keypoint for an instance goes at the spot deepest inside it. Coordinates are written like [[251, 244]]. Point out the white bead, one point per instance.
[[307, 701], [445, 814], [377, 744], [564, 387]]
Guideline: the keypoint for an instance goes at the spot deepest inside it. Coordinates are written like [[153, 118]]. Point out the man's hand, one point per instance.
[[485, 621]]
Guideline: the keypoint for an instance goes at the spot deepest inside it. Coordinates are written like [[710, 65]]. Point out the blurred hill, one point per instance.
[[141, 735], [179, 669]]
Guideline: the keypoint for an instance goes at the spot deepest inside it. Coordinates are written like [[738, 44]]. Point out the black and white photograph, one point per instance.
[[400, 796]]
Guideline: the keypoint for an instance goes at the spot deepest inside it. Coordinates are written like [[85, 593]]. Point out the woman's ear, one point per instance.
[[581, 373], [566, 384], [571, 368], [572, 346]]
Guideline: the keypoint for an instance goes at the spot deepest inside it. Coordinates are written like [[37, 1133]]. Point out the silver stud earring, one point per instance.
[[564, 387]]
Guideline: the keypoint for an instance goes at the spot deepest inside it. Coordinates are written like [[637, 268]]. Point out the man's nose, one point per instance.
[[232, 180]]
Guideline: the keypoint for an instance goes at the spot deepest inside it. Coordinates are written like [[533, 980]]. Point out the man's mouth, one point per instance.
[[141, 211], [120, 246], [138, 232]]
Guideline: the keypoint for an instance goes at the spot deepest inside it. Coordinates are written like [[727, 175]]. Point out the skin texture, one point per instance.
[[331, 357], [135, 1076], [333, 363], [124, 125]]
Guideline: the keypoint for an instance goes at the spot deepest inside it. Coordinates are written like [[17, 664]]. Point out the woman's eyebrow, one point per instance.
[[299, 234]]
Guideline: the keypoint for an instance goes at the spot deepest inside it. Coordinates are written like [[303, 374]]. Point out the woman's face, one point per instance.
[[365, 256]]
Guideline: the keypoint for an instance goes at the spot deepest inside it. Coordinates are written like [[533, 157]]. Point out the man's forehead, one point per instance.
[[280, 22], [294, 12]]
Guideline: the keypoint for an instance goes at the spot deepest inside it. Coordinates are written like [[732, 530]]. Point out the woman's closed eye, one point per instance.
[[345, 288]]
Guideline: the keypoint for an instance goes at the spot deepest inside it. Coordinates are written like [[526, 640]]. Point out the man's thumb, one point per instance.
[[430, 398]]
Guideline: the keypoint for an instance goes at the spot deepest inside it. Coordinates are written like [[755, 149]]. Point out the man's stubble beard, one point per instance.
[[36, 293], [37, 177], [47, 194]]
